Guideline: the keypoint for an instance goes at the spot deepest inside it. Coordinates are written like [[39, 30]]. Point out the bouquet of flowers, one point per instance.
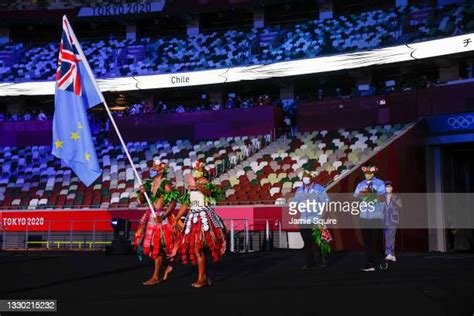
[[138, 241], [322, 238], [369, 194]]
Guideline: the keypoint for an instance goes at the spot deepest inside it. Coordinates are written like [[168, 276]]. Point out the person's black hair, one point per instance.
[[388, 183]]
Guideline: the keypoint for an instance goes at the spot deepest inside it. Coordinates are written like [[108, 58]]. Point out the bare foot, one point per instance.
[[168, 270], [152, 281], [199, 284]]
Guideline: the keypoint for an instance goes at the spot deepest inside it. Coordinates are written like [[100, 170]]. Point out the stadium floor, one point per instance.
[[271, 283]]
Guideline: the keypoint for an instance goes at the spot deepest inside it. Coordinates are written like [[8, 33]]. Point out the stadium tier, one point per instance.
[[144, 56], [276, 170], [250, 170], [33, 178]]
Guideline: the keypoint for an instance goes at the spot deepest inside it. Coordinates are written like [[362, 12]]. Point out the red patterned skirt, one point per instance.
[[156, 239], [203, 231]]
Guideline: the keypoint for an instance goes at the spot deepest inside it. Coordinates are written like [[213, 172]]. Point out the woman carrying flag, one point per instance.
[[203, 230], [155, 237]]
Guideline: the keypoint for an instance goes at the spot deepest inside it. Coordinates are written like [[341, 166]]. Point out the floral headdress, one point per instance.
[[159, 166], [369, 169], [198, 165], [311, 174]]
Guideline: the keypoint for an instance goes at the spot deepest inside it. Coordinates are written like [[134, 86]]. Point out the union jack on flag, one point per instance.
[[67, 74], [76, 92]]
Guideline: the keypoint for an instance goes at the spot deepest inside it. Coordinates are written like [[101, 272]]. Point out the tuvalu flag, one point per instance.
[[76, 92]]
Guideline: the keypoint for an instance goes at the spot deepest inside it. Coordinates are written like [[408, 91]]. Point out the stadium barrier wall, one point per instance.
[[204, 125], [99, 220], [249, 229], [399, 107]]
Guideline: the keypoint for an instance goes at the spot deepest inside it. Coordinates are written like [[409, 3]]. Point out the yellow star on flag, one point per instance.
[[79, 125], [58, 144], [74, 136], [88, 156]]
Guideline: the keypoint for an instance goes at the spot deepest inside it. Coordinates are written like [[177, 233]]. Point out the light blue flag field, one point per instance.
[[76, 92]]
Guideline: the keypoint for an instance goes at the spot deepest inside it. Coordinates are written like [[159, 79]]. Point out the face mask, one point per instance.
[[306, 180], [369, 176], [389, 189], [153, 173], [197, 174]]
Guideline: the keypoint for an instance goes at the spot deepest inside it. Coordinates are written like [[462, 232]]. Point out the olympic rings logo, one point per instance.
[[457, 122]]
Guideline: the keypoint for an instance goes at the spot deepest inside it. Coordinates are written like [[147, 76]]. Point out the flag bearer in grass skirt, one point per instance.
[[155, 237], [204, 231]]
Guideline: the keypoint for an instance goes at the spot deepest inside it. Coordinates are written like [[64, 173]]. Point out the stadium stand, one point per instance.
[[250, 170], [276, 170], [32, 178], [144, 56]]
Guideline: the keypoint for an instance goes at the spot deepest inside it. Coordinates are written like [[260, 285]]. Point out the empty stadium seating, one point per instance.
[[32, 178], [250, 170], [206, 51], [276, 170]]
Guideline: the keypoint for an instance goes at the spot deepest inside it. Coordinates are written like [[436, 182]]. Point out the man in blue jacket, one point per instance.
[[314, 192], [371, 191]]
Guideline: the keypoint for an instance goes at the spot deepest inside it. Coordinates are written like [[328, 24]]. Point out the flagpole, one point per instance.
[[129, 157], [89, 71]]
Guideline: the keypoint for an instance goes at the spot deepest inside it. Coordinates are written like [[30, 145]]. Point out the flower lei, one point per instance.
[[168, 196], [161, 191], [216, 195], [148, 185]]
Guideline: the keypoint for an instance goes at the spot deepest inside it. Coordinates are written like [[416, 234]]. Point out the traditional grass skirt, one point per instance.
[[155, 239], [203, 230]]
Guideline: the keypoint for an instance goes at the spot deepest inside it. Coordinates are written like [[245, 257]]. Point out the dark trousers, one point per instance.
[[310, 250], [372, 235]]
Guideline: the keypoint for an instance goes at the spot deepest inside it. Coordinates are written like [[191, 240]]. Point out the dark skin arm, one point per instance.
[[141, 196], [181, 212], [170, 208], [172, 204]]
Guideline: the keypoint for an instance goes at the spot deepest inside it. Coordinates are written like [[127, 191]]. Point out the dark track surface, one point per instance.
[[271, 283]]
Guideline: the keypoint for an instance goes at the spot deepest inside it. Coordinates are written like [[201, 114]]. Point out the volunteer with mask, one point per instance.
[[371, 190], [310, 191]]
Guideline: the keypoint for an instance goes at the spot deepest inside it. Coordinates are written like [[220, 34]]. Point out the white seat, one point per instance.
[[274, 191]]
